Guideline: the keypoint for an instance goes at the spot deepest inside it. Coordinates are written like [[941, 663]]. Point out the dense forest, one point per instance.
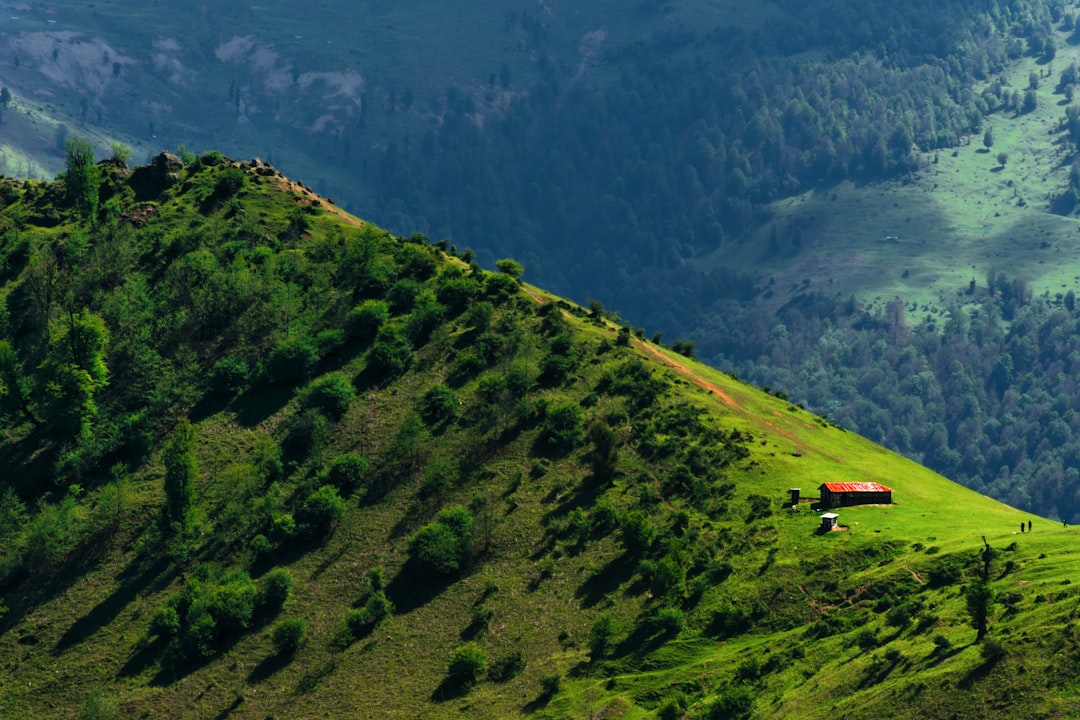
[[668, 149]]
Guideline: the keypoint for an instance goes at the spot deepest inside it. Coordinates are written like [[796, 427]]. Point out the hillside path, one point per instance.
[[687, 373]]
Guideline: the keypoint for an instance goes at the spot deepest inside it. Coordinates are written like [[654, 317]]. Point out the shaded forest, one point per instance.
[[668, 149]]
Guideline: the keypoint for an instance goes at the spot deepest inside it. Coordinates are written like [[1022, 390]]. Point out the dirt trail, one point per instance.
[[688, 373]]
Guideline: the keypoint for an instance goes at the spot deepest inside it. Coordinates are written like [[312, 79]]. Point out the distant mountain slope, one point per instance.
[[261, 458]]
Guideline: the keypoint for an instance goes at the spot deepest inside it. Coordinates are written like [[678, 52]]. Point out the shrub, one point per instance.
[[229, 376], [402, 295], [260, 544], [292, 360], [669, 620], [165, 622], [467, 665], [391, 353], [321, 510], [439, 403], [508, 667], [330, 395], [563, 426], [357, 622], [277, 587], [440, 476], [99, 705], [600, 636], [638, 532], [232, 603], [289, 635], [377, 608], [426, 315], [348, 471], [365, 319], [444, 546], [551, 684]]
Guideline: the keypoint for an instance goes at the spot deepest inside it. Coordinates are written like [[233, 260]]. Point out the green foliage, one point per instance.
[[330, 395], [181, 471], [638, 532], [321, 511], [601, 636], [348, 471], [668, 620], [289, 635], [507, 667], [229, 376], [467, 665], [365, 319], [276, 589], [99, 705], [979, 600], [392, 352], [292, 360], [510, 267], [444, 547], [438, 404], [81, 176], [563, 427]]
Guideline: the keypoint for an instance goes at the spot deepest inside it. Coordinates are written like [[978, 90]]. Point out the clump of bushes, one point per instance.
[[288, 635], [331, 395], [444, 547], [467, 665], [321, 511]]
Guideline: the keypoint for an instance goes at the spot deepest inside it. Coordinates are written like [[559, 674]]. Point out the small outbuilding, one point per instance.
[[828, 522], [840, 494]]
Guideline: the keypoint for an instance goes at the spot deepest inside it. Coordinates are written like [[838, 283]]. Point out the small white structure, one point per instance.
[[828, 522]]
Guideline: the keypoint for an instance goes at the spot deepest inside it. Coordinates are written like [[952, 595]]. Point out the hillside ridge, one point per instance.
[[266, 459]]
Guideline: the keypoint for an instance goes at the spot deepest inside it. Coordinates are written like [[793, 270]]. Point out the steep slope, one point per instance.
[[262, 459]]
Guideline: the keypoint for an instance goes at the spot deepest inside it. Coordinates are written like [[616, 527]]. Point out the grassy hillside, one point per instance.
[[262, 459]]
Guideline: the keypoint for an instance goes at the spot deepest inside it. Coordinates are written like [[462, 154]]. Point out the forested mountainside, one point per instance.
[[264, 459], [642, 156]]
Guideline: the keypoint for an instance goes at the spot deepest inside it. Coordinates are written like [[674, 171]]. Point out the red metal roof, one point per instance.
[[856, 487]]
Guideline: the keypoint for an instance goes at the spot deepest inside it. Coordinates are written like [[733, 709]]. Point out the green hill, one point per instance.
[[263, 459]]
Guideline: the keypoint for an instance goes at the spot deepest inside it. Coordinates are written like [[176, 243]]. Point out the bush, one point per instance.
[[229, 376], [260, 544], [289, 635], [330, 395], [277, 587], [444, 546], [550, 685], [165, 622], [669, 620], [563, 426], [439, 403], [600, 636], [467, 665], [507, 668], [392, 352], [321, 510], [365, 319], [292, 360], [348, 471]]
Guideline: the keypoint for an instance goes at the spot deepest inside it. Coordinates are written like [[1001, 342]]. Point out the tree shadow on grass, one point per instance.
[[144, 656], [134, 582], [269, 667], [450, 689], [614, 574], [258, 404], [414, 586], [980, 671]]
